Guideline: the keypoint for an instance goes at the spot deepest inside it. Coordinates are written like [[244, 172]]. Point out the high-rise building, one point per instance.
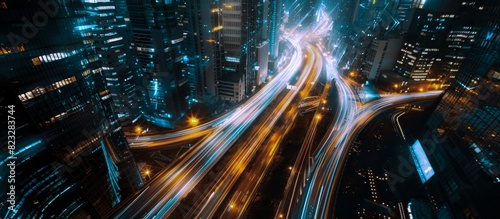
[[111, 44], [455, 48], [403, 12], [201, 37], [258, 42], [275, 23], [381, 56], [162, 72], [463, 132], [71, 157], [234, 39], [422, 44], [452, 53]]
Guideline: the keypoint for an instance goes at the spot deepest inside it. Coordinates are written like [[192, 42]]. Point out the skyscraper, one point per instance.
[[162, 73], [422, 44], [258, 42], [381, 56], [201, 46], [463, 132], [275, 22], [455, 49], [72, 159], [112, 45], [234, 39]]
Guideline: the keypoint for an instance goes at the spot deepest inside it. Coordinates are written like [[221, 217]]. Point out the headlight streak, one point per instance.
[[165, 193]]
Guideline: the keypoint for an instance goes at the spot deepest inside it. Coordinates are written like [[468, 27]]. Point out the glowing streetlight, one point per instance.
[[318, 116], [138, 130], [147, 173], [193, 121], [421, 89]]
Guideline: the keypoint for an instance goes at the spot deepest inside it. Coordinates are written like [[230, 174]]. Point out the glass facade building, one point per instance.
[[422, 44], [72, 157], [463, 132], [161, 65], [201, 36], [111, 42], [275, 23]]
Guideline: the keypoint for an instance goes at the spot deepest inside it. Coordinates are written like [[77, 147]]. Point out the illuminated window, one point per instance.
[[41, 90], [36, 61]]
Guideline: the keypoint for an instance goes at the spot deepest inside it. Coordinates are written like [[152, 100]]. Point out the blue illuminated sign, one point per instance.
[[422, 164]]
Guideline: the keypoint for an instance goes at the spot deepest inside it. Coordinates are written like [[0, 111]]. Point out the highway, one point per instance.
[[320, 191], [312, 186], [345, 108], [242, 197], [167, 189], [172, 139]]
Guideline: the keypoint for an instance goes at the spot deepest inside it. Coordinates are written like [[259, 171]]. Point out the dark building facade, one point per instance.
[[161, 65], [275, 24], [72, 159], [111, 41], [422, 44], [463, 132], [457, 45], [199, 21]]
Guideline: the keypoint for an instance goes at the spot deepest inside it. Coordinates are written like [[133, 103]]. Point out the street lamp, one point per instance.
[[193, 121], [138, 130], [147, 172]]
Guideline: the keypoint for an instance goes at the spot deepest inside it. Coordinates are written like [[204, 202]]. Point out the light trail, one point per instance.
[[165, 193], [264, 159], [315, 194]]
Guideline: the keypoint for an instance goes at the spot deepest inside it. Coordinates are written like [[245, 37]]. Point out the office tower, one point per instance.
[[455, 48], [275, 22], [451, 55], [73, 160], [200, 32], [157, 42], [233, 37], [111, 44], [463, 132], [422, 44], [262, 61], [258, 43], [403, 12], [232, 25], [381, 56]]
